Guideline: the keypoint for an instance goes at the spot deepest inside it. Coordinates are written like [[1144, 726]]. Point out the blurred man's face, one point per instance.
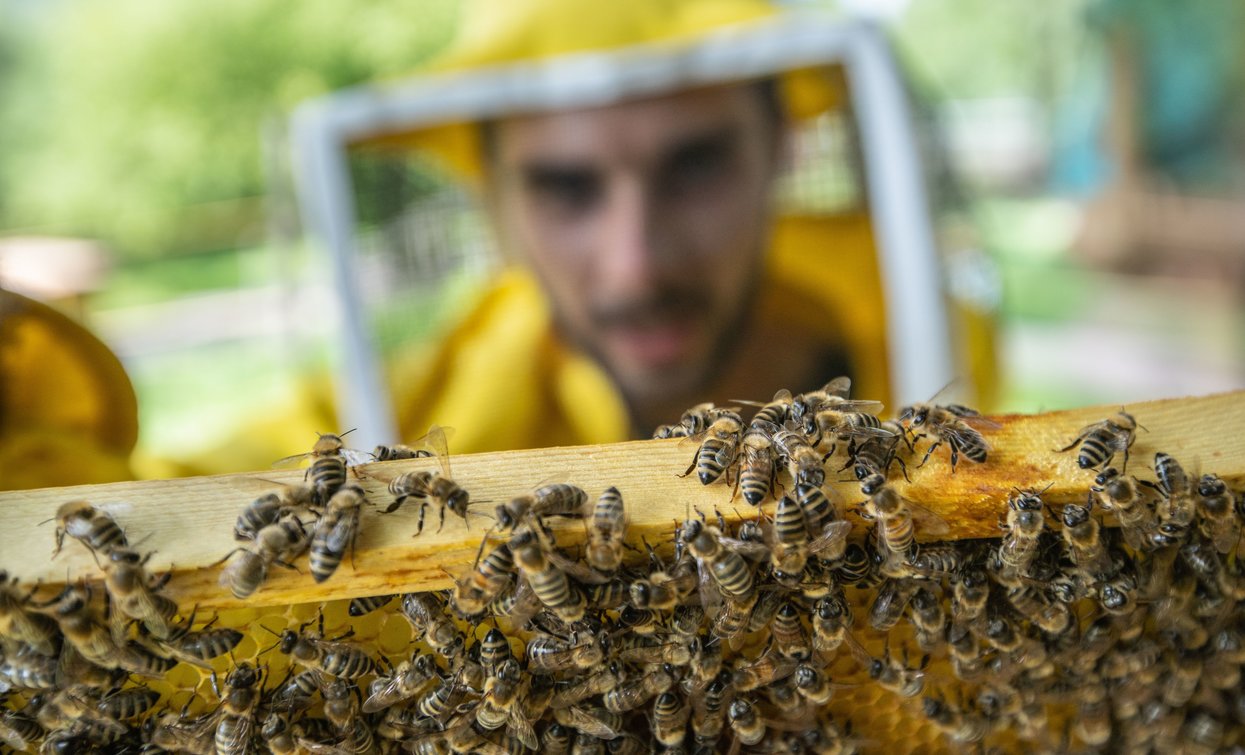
[[646, 222]]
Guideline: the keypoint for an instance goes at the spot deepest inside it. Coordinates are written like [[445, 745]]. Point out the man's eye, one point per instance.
[[696, 165], [568, 190]]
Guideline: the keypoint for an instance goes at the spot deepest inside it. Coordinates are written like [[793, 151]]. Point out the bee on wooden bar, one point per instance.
[[549, 582], [1026, 521], [607, 532], [336, 531], [792, 546], [277, 543], [719, 447], [1101, 441], [776, 411], [756, 467], [804, 463], [399, 451], [431, 488], [954, 425], [896, 528], [727, 568], [556, 499], [1118, 494], [133, 594], [95, 528], [833, 393], [1083, 536], [693, 422]]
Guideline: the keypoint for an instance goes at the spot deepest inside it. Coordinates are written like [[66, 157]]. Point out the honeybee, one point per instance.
[[606, 534], [965, 652], [896, 676], [474, 591], [499, 705], [770, 667], [336, 531], [1101, 441], [746, 722], [1217, 518], [596, 722], [954, 425], [260, 513], [21, 732], [28, 669], [857, 567], [406, 681], [80, 628], [431, 488], [630, 694], [1119, 495], [776, 411], [551, 655], [236, 717], [399, 451], [970, 593], [693, 422], [792, 547], [1092, 724], [929, 620], [548, 581], [896, 528], [277, 543], [848, 421], [804, 463], [813, 685], [197, 648], [1024, 527], [333, 658], [756, 466], [556, 499], [328, 445], [709, 710], [20, 625], [726, 567], [430, 623], [586, 686], [362, 606], [133, 594], [833, 393], [93, 527], [1082, 534], [788, 635], [818, 509], [176, 732], [832, 616], [719, 446], [670, 716], [962, 726]]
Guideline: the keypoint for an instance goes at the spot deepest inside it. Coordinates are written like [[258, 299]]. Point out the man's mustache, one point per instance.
[[668, 304]]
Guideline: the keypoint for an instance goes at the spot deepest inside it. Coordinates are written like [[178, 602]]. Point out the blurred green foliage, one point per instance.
[[118, 116]]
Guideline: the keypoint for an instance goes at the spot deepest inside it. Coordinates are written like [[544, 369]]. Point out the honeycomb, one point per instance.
[[1159, 633]]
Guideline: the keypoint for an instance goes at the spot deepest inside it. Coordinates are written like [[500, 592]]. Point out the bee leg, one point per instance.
[[933, 447], [441, 521], [394, 506], [691, 466], [423, 508], [955, 456]]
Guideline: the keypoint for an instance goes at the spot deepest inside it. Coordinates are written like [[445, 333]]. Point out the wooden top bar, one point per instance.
[[189, 522]]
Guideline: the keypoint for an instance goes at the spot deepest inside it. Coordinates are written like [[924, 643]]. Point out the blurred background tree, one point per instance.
[[139, 122]]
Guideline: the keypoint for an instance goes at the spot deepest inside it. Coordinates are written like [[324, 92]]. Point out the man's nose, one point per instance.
[[631, 261]]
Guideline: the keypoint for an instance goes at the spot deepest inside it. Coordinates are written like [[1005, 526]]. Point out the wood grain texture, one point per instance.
[[189, 522]]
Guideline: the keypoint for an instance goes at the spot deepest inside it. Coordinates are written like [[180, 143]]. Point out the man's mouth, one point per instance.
[[653, 343]]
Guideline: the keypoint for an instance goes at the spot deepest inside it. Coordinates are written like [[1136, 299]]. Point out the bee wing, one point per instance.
[[437, 440], [835, 533], [290, 461], [927, 522], [858, 405], [342, 533], [840, 386], [354, 457], [710, 596], [522, 729], [980, 423], [584, 721], [746, 548], [580, 572]]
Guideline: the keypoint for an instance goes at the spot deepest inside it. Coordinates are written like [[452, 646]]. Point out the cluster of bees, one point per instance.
[[1060, 634]]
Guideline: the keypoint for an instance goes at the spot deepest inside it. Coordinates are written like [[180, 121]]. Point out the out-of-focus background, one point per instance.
[[1093, 149]]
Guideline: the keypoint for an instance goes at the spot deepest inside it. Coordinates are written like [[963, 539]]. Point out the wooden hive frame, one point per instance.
[[188, 522]]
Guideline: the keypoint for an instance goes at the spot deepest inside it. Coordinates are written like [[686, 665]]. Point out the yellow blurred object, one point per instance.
[[504, 380], [68, 415], [497, 33]]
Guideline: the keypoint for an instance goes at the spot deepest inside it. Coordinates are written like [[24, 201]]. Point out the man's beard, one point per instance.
[[687, 382]]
